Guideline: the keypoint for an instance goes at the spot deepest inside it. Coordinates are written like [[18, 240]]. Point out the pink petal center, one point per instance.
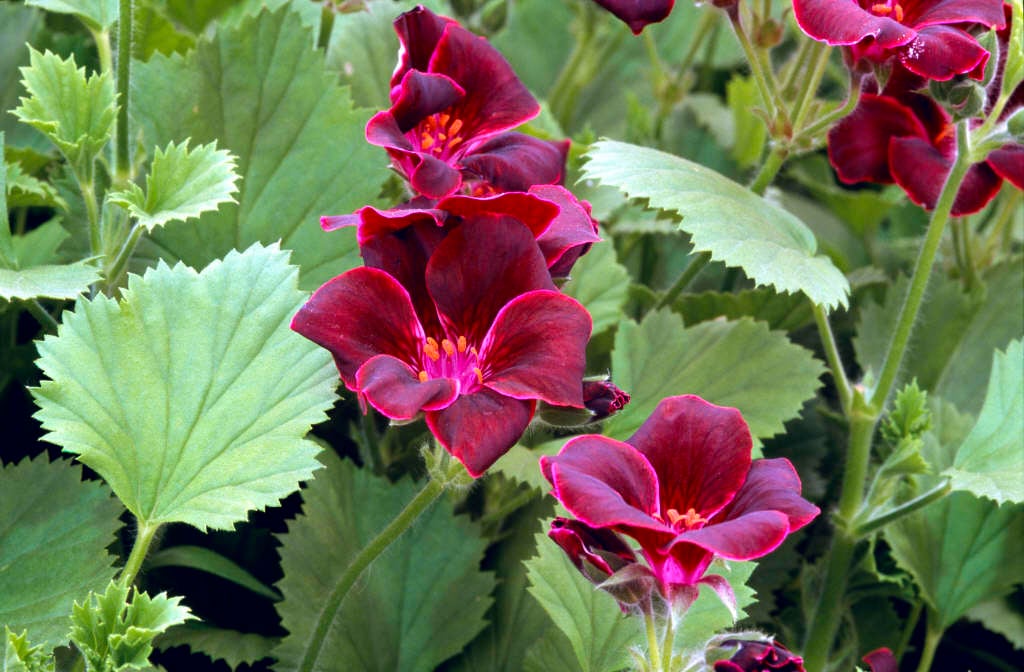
[[682, 522], [888, 9], [439, 134], [452, 358]]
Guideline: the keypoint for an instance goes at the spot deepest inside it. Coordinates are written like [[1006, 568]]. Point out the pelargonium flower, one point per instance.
[[453, 98], [927, 37], [492, 338], [685, 488], [605, 559], [765, 656], [638, 13], [881, 660]]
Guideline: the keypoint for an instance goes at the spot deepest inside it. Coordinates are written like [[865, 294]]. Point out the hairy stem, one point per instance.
[[691, 271], [143, 540], [769, 169], [933, 634], [878, 522], [819, 59], [653, 650], [835, 363], [114, 271]]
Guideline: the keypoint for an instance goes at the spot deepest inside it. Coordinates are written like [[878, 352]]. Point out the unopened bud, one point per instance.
[[769, 34], [601, 398], [493, 16], [963, 98], [1015, 125]]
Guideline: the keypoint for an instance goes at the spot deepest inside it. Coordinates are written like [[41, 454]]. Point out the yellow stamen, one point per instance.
[[479, 375], [424, 377], [443, 118], [881, 8], [456, 126], [431, 349], [473, 352], [427, 141], [454, 141], [442, 137], [899, 13], [689, 519], [449, 347], [462, 343]]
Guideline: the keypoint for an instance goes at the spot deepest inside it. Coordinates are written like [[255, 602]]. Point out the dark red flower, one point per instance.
[[684, 487], [453, 99], [927, 37], [759, 657], [603, 398], [605, 559], [638, 13], [490, 336], [881, 660]]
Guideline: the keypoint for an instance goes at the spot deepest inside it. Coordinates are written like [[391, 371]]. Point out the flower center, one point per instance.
[[691, 520], [452, 359], [889, 8], [439, 133]]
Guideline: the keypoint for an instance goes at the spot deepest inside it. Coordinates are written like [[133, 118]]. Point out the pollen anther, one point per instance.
[[479, 374], [462, 343], [423, 376], [898, 9], [431, 349], [881, 8], [449, 347]]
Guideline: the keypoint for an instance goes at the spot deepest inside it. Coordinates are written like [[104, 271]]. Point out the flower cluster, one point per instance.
[[454, 316]]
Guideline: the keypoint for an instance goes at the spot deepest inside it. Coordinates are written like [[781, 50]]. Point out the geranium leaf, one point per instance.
[[363, 50], [261, 90], [590, 618], [735, 225], [53, 281], [1013, 74], [6, 242], [420, 603], [709, 614], [96, 14], [207, 560], [990, 463], [20, 655], [600, 283], [76, 113], [234, 648], [182, 184], [998, 616], [48, 515], [738, 364], [23, 190], [190, 395], [781, 312]]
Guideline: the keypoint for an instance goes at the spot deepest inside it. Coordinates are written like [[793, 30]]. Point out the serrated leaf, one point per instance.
[[740, 364], [48, 515], [19, 655], [19, 25], [76, 113], [600, 283], [709, 614], [207, 560], [182, 184], [261, 90], [781, 312], [363, 49], [1013, 74], [998, 616], [233, 647], [65, 281], [732, 223], [190, 395], [23, 190], [990, 463], [589, 618], [96, 14], [422, 600]]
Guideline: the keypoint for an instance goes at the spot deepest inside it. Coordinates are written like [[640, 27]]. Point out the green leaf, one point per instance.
[[96, 14], [24, 190], [709, 614], [19, 25], [76, 113], [116, 634], [207, 560], [48, 515], [21, 656], [261, 90], [233, 647], [522, 463], [420, 603], [363, 50], [732, 223], [590, 618], [190, 395], [1013, 74], [740, 364], [6, 239], [990, 463], [182, 184], [750, 132], [31, 273], [998, 616], [781, 312], [600, 283]]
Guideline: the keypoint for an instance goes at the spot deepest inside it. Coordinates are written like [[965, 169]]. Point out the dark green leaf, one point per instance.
[[233, 647], [206, 560]]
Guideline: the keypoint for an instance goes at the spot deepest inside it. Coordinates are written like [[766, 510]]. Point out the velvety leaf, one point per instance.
[[740, 364], [207, 422], [207, 560], [990, 463], [76, 113], [182, 184], [262, 91], [590, 618], [998, 616], [781, 312], [732, 223], [600, 283], [422, 600], [96, 14], [234, 648], [50, 281], [48, 515]]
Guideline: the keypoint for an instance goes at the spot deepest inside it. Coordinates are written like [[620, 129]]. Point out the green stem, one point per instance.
[[876, 523], [862, 429], [769, 169], [42, 315], [932, 637], [923, 269], [122, 165], [102, 40], [755, 69], [654, 651], [1008, 209], [430, 492], [562, 99], [685, 278], [820, 56], [908, 630], [92, 212], [669, 641], [823, 123], [796, 65], [124, 255], [144, 539], [835, 363]]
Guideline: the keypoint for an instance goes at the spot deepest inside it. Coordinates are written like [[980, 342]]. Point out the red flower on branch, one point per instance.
[[927, 37], [453, 99], [684, 487], [490, 336], [751, 656], [638, 13]]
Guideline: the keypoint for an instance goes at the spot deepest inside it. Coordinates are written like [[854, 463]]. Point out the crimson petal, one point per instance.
[[921, 13], [419, 30], [1008, 163], [638, 13], [743, 538], [841, 22], [479, 428], [858, 146], [422, 94], [393, 388], [921, 169], [772, 485], [570, 234], [515, 162], [534, 212], [942, 52]]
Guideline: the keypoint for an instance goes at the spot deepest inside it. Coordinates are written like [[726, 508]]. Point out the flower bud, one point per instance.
[[605, 560], [601, 398], [763, 656], [964, 99]]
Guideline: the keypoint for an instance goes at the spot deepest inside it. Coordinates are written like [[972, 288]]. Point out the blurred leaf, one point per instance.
[[845, 249], [96, 14], [422, 601], [19, 27], [734, 224], [49, 516], [523, 463], [212, 562], [863, 210], [749, 132], [190, 395], [363, 50], [52, 281], [1013, 74], [998, 616], [600, 283], [233, 647]]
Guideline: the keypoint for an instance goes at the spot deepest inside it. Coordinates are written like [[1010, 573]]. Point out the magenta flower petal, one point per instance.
[[638, 13], [753, 656], [479, 428], [419, 30], [434, 178], [374, 301], [478, 269], [1008, 163], [710, 444], [536, 348], [942, 52], [858, 146], [420, 95], [773, 485], [881, 660], [921, 169], [570, 234], [602, 548], [393, 388], [515, 162], [532, 211], [845, 23], [744, 538], [921, 13]]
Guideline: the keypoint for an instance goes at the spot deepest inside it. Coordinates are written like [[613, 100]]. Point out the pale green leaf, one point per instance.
[[48, 515], [190, 395], [1013, 74], [261, 90], [19, 655], [207, 560], [990, 463], [750, 132], [421, 602], [740, 364], [590, 618], [24, 190], [40, 245], [19, 26], [234, 648], [50, 281], [182, 184], [96, 14], [600, 283], [76, 113], [998, 616], [735, 225], [364, 50]]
